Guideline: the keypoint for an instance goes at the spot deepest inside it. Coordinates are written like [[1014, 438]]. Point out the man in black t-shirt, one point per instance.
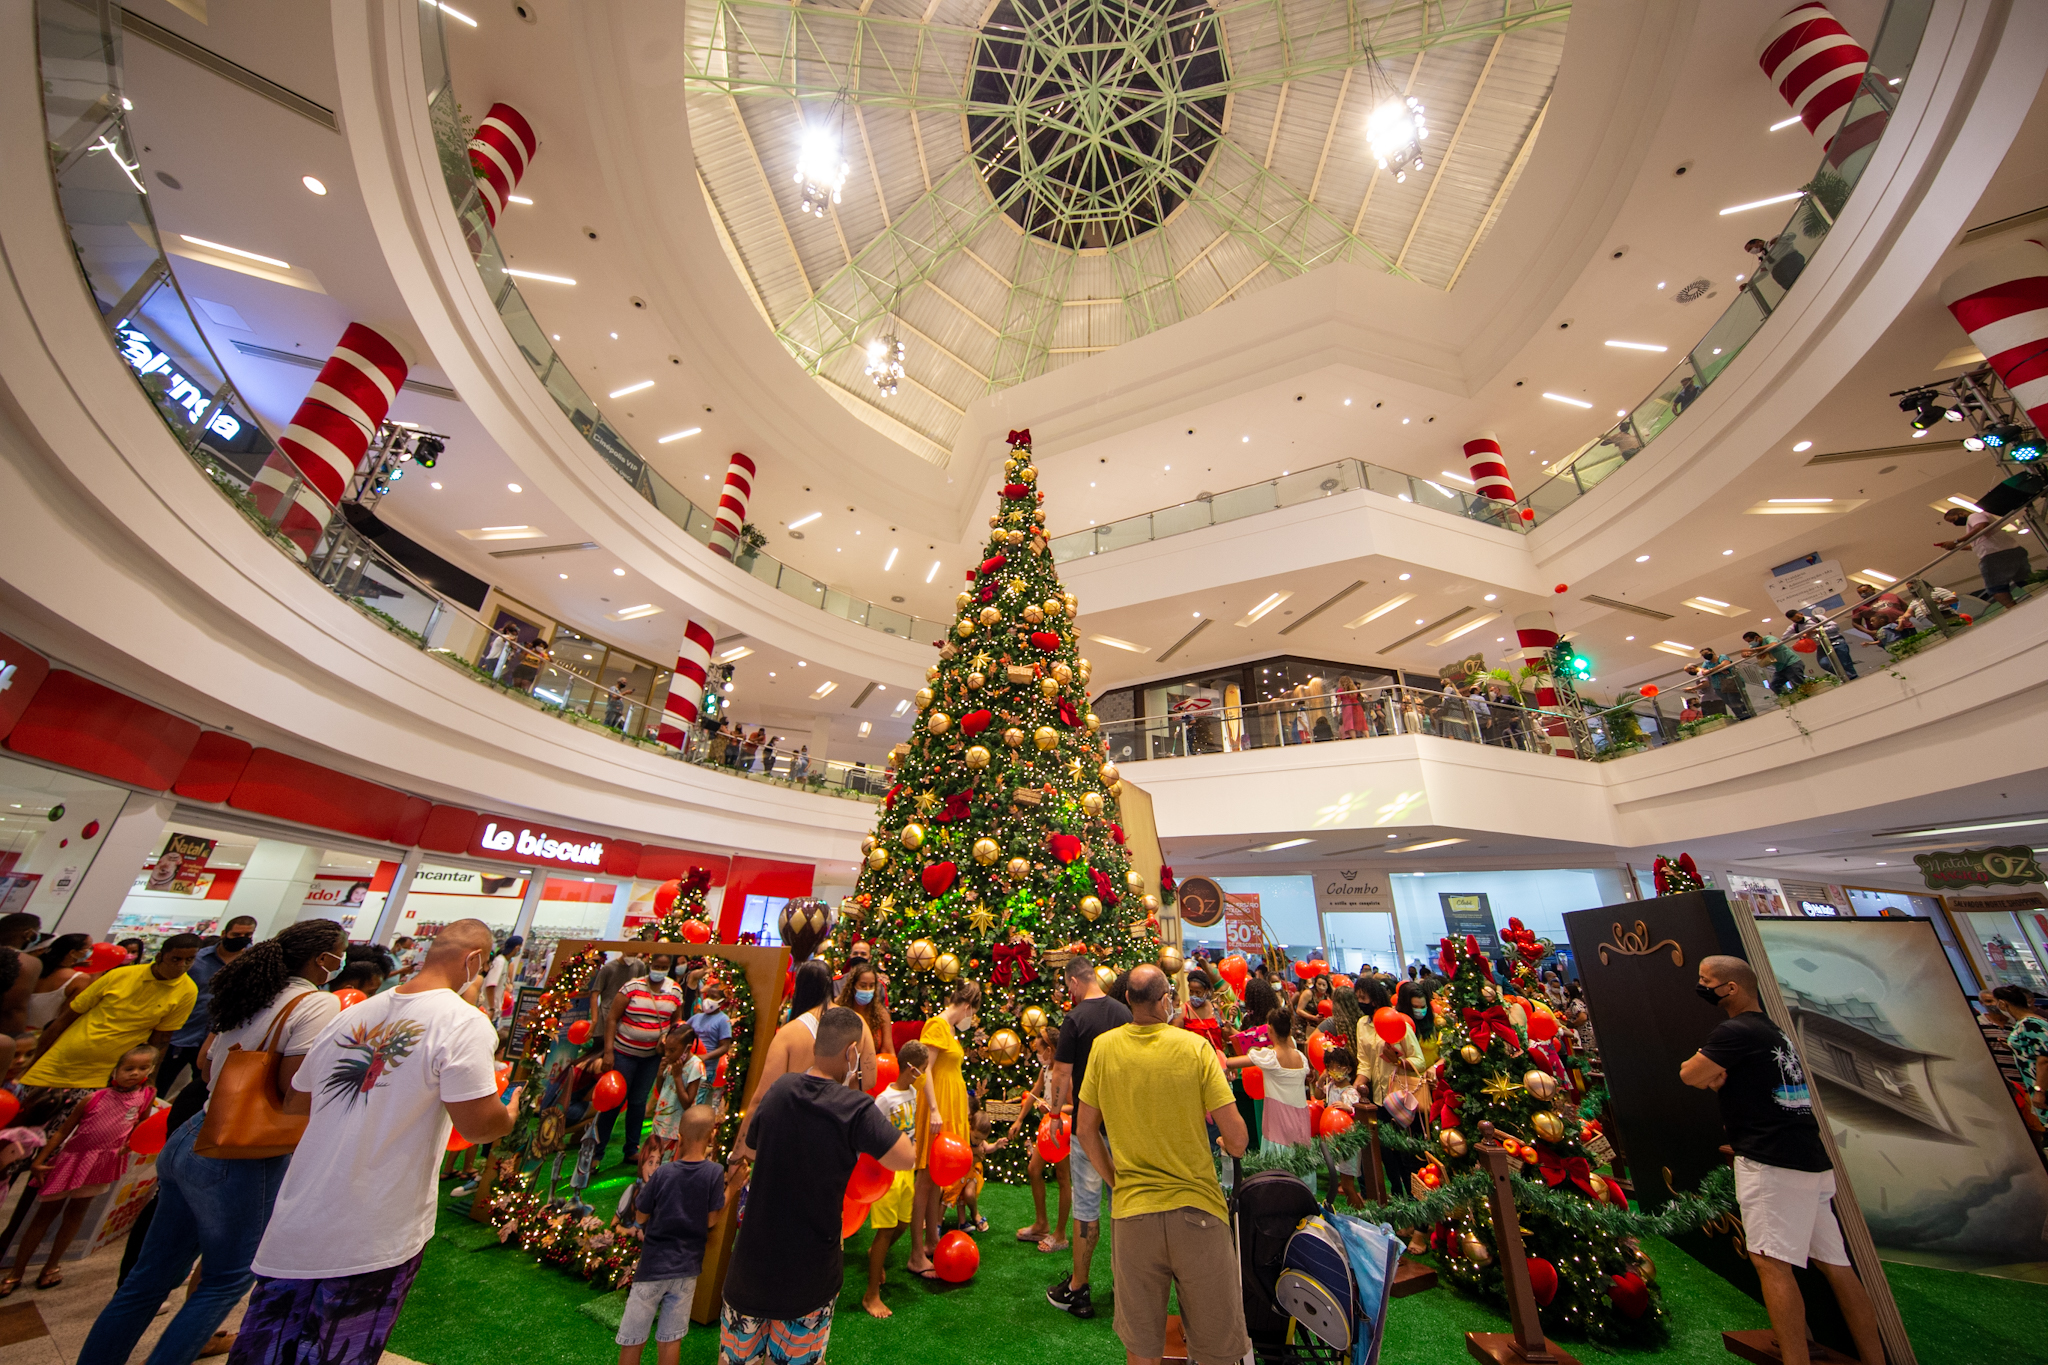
[[807, 1133], [1091, 1015], [1783, 1178]]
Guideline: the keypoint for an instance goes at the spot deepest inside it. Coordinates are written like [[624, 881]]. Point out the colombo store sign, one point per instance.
[[514, 841]]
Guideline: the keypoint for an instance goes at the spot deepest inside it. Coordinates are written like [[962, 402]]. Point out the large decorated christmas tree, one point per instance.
[[998, 853]]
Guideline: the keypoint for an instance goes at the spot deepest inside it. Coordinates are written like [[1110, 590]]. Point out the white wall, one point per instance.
[[1539, 899]]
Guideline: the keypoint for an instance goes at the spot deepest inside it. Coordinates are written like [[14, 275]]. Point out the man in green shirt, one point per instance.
[[1786, 670], [1157, 1088]]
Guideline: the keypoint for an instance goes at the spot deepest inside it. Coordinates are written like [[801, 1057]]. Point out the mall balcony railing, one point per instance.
[[1820, 202], [451, 136], [114, 237]]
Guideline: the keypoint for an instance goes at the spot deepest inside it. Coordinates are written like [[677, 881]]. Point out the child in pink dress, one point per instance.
[[83, 1160]]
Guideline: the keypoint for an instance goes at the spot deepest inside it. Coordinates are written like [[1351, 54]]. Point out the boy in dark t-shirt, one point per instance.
[[1783, 1178]]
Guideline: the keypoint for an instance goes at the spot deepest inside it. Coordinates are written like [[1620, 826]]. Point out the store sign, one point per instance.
[[512, 841], [2009, 866], [1199, 903], [1470, 915], [146, 358], [1353, 891], [1819, 584]]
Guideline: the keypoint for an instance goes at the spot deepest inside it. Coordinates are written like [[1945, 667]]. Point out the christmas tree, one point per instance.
[[998, 854], [1590, 1279]]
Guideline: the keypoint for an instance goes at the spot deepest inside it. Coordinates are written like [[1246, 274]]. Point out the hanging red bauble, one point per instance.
[[1630, 1294], [1542, 1279]]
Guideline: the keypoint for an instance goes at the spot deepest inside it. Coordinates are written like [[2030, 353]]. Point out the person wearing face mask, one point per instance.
[[714, 1030], [1784, 1181], [860, 990], [633, 1028], [183, 1049], [943, 1038], [382, 1086]]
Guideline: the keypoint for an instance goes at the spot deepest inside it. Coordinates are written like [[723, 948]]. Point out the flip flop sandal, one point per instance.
[[43, 1281], [1030, 1235], [9, 1285], [1046, 1244]]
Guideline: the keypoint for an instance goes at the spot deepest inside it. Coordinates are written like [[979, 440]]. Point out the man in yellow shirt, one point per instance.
[[1157, 1087], [126, 1007]]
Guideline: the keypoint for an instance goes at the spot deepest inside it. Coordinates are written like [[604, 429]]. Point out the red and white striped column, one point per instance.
[[2002, 302], [686, 687], [1490, 472], [500, 153], [1536, 633], [330, 433], [732, 506], [1818, 68]]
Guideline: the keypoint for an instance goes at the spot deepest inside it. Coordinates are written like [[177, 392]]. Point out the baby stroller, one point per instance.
[[1316, 1282]]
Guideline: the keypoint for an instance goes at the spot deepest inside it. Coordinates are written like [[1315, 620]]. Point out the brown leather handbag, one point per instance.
[[245, 1115]]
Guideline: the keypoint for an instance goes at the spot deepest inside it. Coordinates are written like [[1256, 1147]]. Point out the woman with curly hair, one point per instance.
[[210, 1210], [860, 990]]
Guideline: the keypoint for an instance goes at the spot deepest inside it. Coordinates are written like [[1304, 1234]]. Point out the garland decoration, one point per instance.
[[568, 988], [731, 980]]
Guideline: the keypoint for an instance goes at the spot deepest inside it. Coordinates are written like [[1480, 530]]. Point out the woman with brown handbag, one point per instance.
[[267, 1010]]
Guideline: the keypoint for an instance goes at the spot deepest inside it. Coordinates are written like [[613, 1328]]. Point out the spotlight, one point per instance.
[[428, 452], [1973, 443], [2025, 451], [1926, 411], [2001, 436]]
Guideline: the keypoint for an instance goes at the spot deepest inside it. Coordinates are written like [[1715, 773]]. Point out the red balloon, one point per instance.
[[1342, 983], [106, 957], [665, 896], [1303, 971], [1630, 1294], [1315, 1046], [1254, 1083], [1315, 1116], [147, 1137], [1054, 1140], [579, 1032], [718, 1081], [1562, 587], [1389, 1024], [610, 1091], [1334, 1122], [1805, 645], [1647, 690], [1542, 1025], [696, 931], [1542, 1279], [886, 1072], [852, 1213], [9, 1107], [957, 1258], [951, 1158], [1236, 972], [1324, 1008], [870, 1180], [349, 995], [456, 1141], [504, 1075]]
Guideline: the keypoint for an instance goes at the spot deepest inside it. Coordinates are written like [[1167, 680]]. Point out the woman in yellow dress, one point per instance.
[[942, 1036]]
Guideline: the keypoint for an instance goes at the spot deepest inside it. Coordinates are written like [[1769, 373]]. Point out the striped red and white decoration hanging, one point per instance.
[[2002, 302], [1536, 633], [686, 687], [499, 154], [732, 506], [330, 433], [1814, 63], [1490, 472]]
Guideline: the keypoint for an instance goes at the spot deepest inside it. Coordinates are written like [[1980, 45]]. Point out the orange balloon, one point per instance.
[[1315, 1116], [349, 995], [1388, 1024], [610, 1091], [870, 1180], [1335, 1121], [457, 1142], [1542, 1025], [696, 931], [1254, 1083], [886, 1072], [148, 1137], [951, 1158], [1054, 1139], [1317, 1041], [1236, 972], [1647, 690], [105, 957], [852, 1213], [1324, 1009]]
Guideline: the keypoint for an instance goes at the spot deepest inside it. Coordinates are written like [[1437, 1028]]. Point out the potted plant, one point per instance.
[[752, 538]]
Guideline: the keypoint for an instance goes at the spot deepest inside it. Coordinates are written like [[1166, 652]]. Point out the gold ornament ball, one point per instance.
[[1018, 868], [1475, 1251], [1004, 1047], [963, 600], [867, 845], [1028, 474], [1033, 1020], [924, 697], [1488, 993], [931, 673], [1091, 908], [1470, 1054], [912, 836], [921, 954], [1108, 772], [1013, 737], [1034, 615], [964, 629], [1541, 1084], [1171, 960], [1151, 904], [1134, 880], [1600, 1195], [1092, 721], [1105, 977], [1061, 671], [1053, 607], [990, 615], [947, 966], [1647, 1268], [878, 858], [1092, 803], [938, 722], [1116, 789], [977, 681], [1049, 687], [1452, 1141], [1014, 537], [1045, 737], [986, 851], [976, 757], [1548, 1126]]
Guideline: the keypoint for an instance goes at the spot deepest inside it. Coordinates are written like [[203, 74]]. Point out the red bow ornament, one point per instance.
[[1068, 715], [1482, 1026], [1013, 965], [1104, 888], [1019, 438], [1443, 1110], [1557, 1169]]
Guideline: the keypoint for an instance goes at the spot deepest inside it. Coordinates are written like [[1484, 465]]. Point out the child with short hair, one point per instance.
[[83, 1160], [967, 1194], [676, 1207], [907, 1102], [1340, 1091]]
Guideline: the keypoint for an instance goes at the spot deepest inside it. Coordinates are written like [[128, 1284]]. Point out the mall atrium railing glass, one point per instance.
[[102, 195]]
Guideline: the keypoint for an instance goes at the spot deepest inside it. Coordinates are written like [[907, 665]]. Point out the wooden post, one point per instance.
[[1526, 1343]]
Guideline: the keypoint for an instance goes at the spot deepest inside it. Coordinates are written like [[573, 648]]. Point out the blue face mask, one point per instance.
[[864, 997]]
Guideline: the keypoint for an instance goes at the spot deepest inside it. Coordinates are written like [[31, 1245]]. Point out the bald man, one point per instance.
[[382, 1087], [1783, 1178]]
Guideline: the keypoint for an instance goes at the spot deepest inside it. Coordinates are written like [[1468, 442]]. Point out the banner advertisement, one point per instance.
[[1969, 868], [1470, 914], [178, 867], [1244, 929]]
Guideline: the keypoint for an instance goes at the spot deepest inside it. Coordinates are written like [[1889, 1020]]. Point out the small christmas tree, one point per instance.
[[1589, 1278], [679, 909], [998, 852]]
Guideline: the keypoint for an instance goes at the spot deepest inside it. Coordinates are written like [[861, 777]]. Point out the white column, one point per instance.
[[273, 885], [536, 885], [622, 901], [95, 898], [821, 740], [394, 899]]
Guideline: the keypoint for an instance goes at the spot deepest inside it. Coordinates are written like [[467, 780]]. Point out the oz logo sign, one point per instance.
[[1975, 867]]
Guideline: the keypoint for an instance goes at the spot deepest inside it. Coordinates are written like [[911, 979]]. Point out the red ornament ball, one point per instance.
[[957, 1258], [1542, 1279], [1631, 1296], [696, 931], [106, 957]]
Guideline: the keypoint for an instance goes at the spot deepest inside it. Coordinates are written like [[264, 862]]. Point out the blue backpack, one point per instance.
[[1336, 1281]]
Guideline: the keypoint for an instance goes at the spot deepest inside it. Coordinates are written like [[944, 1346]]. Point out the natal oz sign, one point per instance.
[[1974, 867]]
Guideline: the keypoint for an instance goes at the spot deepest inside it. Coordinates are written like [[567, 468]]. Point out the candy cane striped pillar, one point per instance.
[[1490, 472], [2002, 302], [1814, 63], [732, 505], [1536, 633], [500, 153], [330, 433], [686, 686]]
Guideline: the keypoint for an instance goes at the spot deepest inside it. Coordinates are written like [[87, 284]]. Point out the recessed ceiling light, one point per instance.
[[736, 652], [1284, 843], [1434, 843], [1560, 398], [631, 388], [615, 336], [1115, 643], [1770, 850], [1628, 637], [825, 689], [515, 488], [1245, 439], [1762, 203], [312, 182], [1404, 421], [1727, 552], [1637, 346], [801, 522], [1406, 576], [1490, 596], [1661, 283], [433, 485], [634, 613], [1421, 620], [1642, 559], [618, 573], [1272, 600], [932, 572], [803, 663], [236, 251], [1962, 829], [1803, 445], [544, 279], [1798, 500], [561, 575], [519, 199], [1785, 123], [1381, 610], [1347, 402], [890, 562], [679, 435]]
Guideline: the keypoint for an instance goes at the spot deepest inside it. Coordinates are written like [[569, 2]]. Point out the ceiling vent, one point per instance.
[[1696, 290], [1653, 614]]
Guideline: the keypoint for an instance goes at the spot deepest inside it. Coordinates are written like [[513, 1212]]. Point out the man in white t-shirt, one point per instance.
[[381, 1087], [500, 979]]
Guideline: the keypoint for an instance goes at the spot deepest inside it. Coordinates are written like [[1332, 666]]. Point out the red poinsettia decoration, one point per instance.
[[1167, 885], [988, 593], [958, 806]]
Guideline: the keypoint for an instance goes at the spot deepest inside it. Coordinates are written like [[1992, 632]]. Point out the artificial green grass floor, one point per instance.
[[478, 1303]]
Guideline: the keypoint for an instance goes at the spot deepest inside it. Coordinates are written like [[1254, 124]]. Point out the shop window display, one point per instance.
[[45, 846]]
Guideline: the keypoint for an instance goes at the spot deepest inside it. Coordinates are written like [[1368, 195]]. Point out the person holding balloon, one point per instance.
[[82, 1161], [1050, 1152], [949, 1087], [1284, 1071], [907, 1102]]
